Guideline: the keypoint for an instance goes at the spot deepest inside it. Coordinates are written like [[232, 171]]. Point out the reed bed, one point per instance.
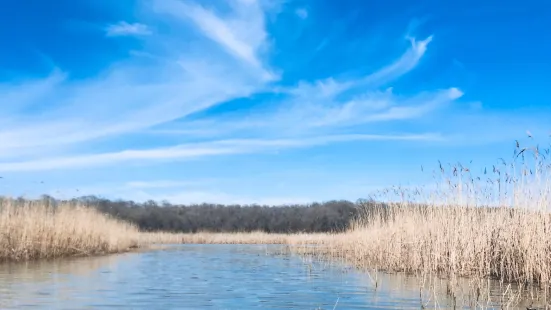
[[34, 230], [41, 229], [452, 242], [495, 225]]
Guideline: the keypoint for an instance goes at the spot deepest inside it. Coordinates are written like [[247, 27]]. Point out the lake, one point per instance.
[[201, 277]]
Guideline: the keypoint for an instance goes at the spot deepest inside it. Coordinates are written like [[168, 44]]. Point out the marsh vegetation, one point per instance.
[[32, 230], [477, 227]]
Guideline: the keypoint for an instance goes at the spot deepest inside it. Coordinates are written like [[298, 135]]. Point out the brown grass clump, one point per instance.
[[33, 230]]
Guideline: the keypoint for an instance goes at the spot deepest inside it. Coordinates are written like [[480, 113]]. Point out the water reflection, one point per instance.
[[203, 276]]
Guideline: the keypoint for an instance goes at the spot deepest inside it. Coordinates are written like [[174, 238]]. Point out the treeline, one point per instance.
[[331, 216], [153, 216]]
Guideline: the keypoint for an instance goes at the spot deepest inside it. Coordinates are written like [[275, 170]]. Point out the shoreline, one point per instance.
[[401, 242]]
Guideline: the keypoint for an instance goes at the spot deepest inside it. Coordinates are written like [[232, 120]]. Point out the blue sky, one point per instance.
[[263, 101]]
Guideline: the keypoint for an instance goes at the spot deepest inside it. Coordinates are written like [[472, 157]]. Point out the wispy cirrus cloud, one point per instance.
[[110, 106], [128, 96], [152, 106], [123, 28], [186, 196], [209, 89], [242, 33], [327, 104], [308, 108], [197, 150], [132, 96], [162, 184]]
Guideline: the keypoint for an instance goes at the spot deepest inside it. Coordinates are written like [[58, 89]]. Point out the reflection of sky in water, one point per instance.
[[196, 277]]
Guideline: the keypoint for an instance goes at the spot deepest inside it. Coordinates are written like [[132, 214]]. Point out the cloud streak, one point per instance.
[[242, 33], [159, 184], [197, 150], [162, 92], [328, 104], [127, 97], [123, 28]]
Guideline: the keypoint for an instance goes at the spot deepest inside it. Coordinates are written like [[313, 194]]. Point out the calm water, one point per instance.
[[198, 277]]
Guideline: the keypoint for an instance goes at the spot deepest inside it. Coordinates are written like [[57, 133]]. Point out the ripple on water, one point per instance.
[[197, 277]]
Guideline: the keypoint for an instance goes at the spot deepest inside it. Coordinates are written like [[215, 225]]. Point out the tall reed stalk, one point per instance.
[[494, 225], [34, 229]]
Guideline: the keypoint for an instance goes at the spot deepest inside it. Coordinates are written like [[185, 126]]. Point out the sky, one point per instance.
[[263, 101]]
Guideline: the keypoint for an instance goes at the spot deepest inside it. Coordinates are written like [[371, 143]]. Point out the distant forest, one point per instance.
[[152, 216]]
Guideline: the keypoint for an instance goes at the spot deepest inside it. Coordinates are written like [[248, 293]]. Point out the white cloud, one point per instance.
[[127, 97], [371, 107], [406, 63], [19, 96], [328, 88], [201, 192], [314, 106], [85, 111], [424, 105], [123, 28], [302, 13], [197, 150], [109, 106], [242, 33], [160, 184], [133, 96], [196, 196], [194, 191]]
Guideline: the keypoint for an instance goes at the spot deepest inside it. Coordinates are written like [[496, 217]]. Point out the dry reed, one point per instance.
[[33, 230], [493, 226], [37, 229]]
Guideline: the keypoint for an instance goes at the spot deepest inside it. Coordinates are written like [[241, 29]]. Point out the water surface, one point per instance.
[[199, 277]]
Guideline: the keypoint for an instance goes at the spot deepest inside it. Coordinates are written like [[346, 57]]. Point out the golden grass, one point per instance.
[[458, 244], [452, 242], [493, 227], [33, 230], [510, 244]]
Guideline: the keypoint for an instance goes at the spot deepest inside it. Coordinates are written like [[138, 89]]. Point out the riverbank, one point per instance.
[[31, 230], [508, 244], [463, 251], [452, 242], [504, 244], [495, 225]]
